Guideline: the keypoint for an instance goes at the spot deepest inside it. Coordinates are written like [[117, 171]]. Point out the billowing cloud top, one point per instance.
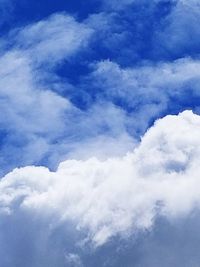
[[118, 195], [99, 130]]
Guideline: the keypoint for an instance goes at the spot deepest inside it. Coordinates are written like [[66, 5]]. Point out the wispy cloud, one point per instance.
[[147, 92], [51, 40], [33, 113]]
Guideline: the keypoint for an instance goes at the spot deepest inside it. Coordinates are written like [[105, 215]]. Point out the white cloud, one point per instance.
[[148, 91], [181, 30], [119, 195], [103, 198], [52, 40], [73, 260], [146, 80], [39, 124], [34, 115]]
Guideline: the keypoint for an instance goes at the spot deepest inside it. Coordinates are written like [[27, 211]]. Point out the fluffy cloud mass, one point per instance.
[[99, 133], [118, 195]]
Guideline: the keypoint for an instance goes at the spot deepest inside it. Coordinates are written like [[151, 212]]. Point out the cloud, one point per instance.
[[116, 197], [131, 31], [148, 91], [40, 126], [112, 184], [120, 5], [73, 260], [179, 35], [117, 5], [51, 40], [167, 244], [43, 120], [35, 115]]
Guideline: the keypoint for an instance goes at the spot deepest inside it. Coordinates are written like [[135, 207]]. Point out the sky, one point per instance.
[[99, 133]]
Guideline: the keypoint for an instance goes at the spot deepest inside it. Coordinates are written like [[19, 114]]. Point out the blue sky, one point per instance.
[[99, 133]]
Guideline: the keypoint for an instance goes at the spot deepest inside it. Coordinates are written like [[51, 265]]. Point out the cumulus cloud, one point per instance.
[[109, 184], [118, 196]]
